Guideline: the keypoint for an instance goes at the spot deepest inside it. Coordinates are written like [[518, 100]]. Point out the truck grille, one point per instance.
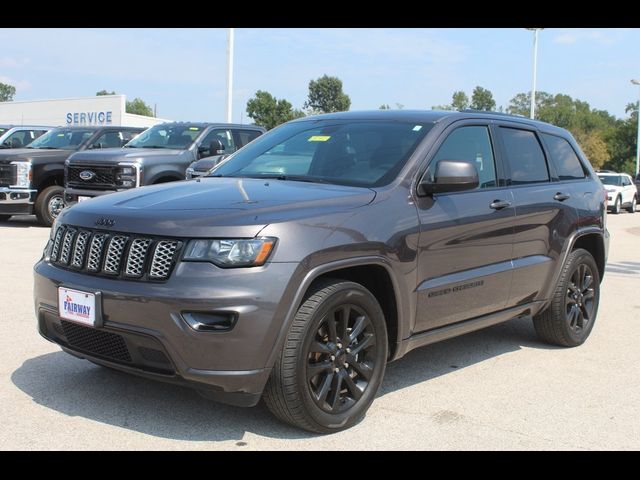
[[127, 256], [7, 175], [103, 176]]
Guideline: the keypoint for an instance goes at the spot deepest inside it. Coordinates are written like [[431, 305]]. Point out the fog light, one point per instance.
[[210, 322]]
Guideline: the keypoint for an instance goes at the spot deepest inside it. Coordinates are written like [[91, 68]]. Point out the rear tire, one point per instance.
[[632, 207], [49, 204], [329, 371], [617, 206], [569, 319]]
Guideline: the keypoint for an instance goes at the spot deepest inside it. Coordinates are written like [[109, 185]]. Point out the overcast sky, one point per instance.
[[183, 71]]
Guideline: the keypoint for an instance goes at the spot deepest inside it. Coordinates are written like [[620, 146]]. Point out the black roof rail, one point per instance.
[[491, 112]]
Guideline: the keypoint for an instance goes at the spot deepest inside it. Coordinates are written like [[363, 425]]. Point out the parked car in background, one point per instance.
[[32, 178], [326, 248], [161, 154], [242, 137], [20, 136], [637, 182], [621, 191]]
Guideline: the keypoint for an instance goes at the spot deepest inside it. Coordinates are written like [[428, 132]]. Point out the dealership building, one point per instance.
[[79, 111]]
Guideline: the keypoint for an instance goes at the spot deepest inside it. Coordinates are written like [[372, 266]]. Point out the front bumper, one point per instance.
[[144, 332], [16, 201], [71, 194]]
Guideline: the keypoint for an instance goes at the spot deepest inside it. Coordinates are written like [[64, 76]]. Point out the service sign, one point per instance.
[[77, 306]]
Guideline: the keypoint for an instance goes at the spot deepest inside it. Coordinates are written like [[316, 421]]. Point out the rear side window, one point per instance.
[[564, 158], [524, 156], [471, 144], [245, 136]]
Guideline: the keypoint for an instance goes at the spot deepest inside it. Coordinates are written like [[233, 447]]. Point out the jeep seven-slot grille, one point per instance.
[[121, 255], [7, 175], [102, 176]]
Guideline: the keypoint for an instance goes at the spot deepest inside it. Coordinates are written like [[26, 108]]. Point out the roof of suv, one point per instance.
[[428, 116]]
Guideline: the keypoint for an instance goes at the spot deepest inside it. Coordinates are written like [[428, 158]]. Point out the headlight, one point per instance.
[[127, 175], [23, 174], [230, 253]]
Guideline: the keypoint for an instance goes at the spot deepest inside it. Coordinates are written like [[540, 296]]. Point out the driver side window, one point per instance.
[[471, 144]]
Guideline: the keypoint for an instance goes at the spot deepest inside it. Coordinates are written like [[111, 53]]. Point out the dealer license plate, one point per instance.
[[77, 306]]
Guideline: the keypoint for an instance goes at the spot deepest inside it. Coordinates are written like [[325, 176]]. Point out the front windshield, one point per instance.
[[614, 180], [62, 138], [179, 137], [358, 153]]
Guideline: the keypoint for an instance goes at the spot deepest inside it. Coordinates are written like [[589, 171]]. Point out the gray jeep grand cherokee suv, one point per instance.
[[327, 248]]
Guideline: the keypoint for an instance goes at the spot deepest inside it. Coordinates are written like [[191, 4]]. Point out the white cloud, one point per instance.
[[597, 36], [11, 62], [21, 85]]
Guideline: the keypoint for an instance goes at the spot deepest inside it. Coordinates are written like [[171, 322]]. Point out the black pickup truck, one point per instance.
[[32, 178]]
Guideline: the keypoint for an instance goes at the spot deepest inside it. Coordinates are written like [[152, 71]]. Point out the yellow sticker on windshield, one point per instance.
[[319, 138], [61, 134], [195, 129]]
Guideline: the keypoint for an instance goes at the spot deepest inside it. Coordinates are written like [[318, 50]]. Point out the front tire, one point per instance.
[[569, 319], [49, 204], [632, 207], [617, 206], [332, 361]]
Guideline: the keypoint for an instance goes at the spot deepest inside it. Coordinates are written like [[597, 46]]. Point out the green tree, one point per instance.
[[482, 99], [139, 107], [326, 95], [7, 92], [594, 147], [459, 101], [384, 106], [101, 93], [622, 142], [269, 112]]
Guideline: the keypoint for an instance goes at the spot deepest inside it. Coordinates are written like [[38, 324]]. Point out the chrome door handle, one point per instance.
[[499, 204], [561, 197]]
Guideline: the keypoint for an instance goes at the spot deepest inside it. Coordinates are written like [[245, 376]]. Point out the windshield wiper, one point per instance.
[[46, 148]]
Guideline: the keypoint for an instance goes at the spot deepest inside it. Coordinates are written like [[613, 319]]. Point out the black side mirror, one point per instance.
[[216, 148], [96, 145], [450, 176]]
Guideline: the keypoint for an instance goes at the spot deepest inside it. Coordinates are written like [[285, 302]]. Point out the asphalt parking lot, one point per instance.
[[495, 389]]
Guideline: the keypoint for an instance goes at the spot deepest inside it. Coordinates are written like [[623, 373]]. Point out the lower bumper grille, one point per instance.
[[97, 342]]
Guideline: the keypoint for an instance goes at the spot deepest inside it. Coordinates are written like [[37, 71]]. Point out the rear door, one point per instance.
[[545, 215], [465, 242]]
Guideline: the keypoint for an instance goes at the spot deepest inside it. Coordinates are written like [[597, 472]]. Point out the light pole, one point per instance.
[[637, 82], [229, 72], [535, 67]]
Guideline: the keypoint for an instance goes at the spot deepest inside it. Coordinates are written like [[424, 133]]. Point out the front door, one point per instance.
[[465, 242]]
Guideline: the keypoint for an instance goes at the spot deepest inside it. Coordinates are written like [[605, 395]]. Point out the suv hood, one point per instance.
[[23, 154], [112, 155], [222, 207]]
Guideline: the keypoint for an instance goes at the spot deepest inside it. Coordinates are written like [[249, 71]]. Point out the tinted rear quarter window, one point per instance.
[[525, 156], [564, 158], [245, 136]]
